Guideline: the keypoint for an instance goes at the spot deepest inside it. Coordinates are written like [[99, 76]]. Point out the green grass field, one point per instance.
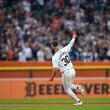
[[56, 108], [62, 104]]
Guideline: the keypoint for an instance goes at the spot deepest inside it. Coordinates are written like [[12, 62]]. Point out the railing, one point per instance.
[[49, 68], [7, 68]]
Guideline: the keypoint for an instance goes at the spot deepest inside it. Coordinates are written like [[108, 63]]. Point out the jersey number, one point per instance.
[[66, 60]]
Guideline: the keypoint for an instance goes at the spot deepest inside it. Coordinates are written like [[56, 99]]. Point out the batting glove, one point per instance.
[[74, 35]]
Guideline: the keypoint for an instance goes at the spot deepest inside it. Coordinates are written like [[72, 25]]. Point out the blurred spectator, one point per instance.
[[21, 55], [40, 55], [48, 53], [28, 26], [26, 5]]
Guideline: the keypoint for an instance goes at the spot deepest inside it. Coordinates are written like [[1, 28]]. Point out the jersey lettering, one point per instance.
[[66, 60]]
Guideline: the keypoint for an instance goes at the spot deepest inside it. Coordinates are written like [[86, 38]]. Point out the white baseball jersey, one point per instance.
[[61, 58]]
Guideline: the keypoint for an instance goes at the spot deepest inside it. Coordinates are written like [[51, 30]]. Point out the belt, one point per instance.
[[66, 70]]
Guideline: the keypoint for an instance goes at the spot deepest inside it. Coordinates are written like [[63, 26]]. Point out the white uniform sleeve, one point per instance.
[[54, 62], [69, 46]]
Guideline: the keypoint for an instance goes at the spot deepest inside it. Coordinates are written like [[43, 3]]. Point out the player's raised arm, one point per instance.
[[69, 46]]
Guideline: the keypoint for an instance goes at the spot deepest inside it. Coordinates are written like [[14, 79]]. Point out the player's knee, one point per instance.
[[67, 90]]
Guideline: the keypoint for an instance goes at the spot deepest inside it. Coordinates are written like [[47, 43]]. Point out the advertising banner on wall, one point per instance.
[[43, 89]]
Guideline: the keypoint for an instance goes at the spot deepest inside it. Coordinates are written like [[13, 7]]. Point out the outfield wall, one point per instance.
[[43, 89], [29, 80], [34, 69]]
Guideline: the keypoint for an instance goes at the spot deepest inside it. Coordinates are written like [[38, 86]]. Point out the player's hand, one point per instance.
[[51, 79], [74, 35]]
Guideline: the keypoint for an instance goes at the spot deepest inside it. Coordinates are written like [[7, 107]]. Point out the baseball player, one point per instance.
[[61, 61]]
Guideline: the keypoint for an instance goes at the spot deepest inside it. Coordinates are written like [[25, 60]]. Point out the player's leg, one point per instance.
[[76, 87], [67, 80], [72, 78], [73, 86]]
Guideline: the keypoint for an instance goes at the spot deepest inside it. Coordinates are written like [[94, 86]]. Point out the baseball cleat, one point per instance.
[[78, 103]]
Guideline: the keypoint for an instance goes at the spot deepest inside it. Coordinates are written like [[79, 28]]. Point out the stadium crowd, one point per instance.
[[28, 26]]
